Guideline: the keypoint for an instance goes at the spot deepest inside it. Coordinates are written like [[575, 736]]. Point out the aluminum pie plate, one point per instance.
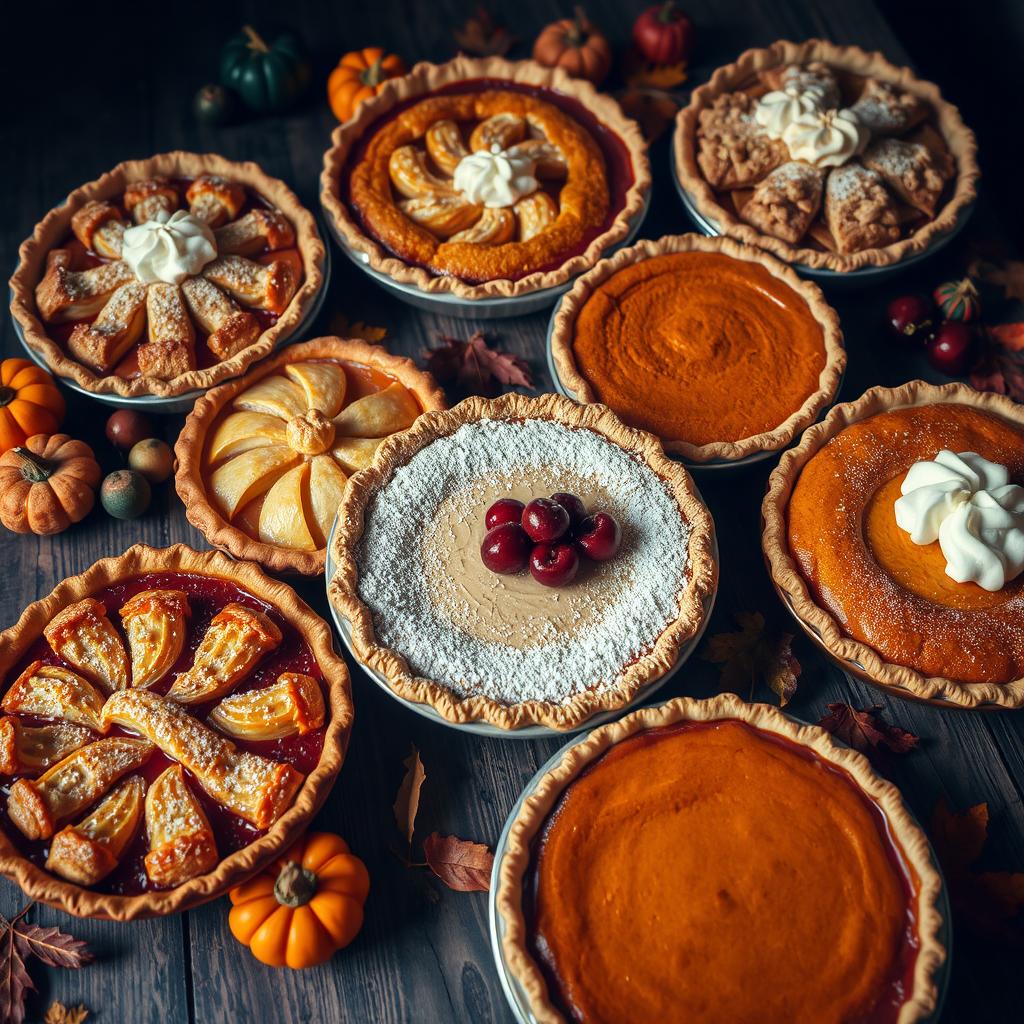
[[526, 732], [475, 309], [177, 403], [831, 278], [516, 995]]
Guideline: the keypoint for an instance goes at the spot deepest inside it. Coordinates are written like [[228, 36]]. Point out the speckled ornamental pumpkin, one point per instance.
[[29, 402], [577, 46]]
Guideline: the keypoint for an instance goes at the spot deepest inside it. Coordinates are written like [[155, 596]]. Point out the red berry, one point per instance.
[[950, 350], [910, 317], [554, 565], [504, 510], [506, 549], [545, 520], [599, 537], [576, 509]]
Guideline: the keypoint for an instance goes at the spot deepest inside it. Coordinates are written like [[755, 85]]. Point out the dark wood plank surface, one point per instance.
[[424, 952]]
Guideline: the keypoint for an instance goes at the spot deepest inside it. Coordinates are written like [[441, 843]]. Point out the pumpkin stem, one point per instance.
[[295, 885], [33, 467], [255, 40], [667, 13], [576, 35], [6, 395], [374, 74]]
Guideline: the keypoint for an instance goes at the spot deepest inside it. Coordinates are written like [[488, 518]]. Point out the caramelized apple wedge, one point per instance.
[[275, 395], [87, 852], [155, 623], [355, 453], [30, 749], [84, 637], [241, 431], [501, 130], [52, 691], [281, 518], [326, 489], [323, 385], [378, 415], [235, 640], [242, 478], [294, 705], [181, 842], [444, 144]]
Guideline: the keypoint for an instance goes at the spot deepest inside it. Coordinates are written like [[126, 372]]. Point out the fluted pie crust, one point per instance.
[[515, 862], [38, 884], [830, 378], [958, 137], [343, 588], [855, 656], [55, 227], [426, 78]]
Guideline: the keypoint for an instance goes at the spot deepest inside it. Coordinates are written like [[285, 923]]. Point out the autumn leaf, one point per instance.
[[654, 111], [1010, 336], [54, 947], [483, 36], [750, 654], [1002, 273], [641, 74], [15, 982], [460, 864], [342, 327], [407, 803], [999, 366], [58, 1013], [474, 367], [865, 730]]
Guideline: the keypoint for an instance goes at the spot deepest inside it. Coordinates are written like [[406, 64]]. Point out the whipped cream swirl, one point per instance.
[[970, 507], [776, 111], [169, 248], [825, 138], [496, 177]]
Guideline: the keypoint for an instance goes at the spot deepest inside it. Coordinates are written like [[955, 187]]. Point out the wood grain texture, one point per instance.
[[424, 953]]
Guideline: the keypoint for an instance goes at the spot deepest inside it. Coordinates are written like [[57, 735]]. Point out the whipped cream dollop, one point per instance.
[[970, 507], [169, 248], [776, 111], [825, 138], [495, 177]]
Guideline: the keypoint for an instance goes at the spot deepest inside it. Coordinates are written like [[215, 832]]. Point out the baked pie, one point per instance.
[[167, 275], [263, 461], [914, 579], [445, 630], [221, 743], [646, 845], [484, 177], [827, 156], [667, 334]]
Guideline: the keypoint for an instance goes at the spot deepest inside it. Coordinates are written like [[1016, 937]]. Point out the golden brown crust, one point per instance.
[[856, 657], [343, 588], [515, 862], [564, 325], [425, 78], [958, 138], [51, 231], [191, 444], [38, 884]]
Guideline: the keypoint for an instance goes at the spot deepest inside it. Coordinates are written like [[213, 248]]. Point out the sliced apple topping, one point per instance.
[[87, 852], [356, 453], [501, 130], [282, 520], [294, 705], [549, 161], [441, 215], [242, 478], [324, 385], [155, 623], [53, 691], [495, 227], [326, 489], [275, 395], [534, 213], [84, 637], [30, 749], [181, 842], [241, 431], [411, 176], [377, 415], [444, 144]]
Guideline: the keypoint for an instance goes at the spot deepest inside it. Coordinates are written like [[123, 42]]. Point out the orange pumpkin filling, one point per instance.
[[884, 589], [712, 871], [699, 347]]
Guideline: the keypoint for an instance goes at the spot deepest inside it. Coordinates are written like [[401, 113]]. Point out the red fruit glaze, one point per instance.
[[573, 505], [554, 565], [599, 537], [545, 520], [505, 549], [950, 350], [909, 317], [504, 510]]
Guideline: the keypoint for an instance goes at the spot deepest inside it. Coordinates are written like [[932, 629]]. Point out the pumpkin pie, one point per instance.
[[672, 334], [769, 135], [263, 461], [155, 787], [895, 532], [484, 177], [167, 275], [431, 615], [634, 875]]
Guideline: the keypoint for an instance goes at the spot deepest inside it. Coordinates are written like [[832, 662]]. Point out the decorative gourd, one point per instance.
[[268, 74], [47, 484], [664, 34], [305, 906], [153, 459], [358, 76], [125, 494], [577, 46], [213, 104], [958, 300], [29, 402]]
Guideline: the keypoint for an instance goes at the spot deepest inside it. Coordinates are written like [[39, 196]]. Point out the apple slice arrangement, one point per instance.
[[549, 536]]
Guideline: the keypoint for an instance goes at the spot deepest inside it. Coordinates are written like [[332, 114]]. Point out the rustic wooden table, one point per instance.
[[424, 953]]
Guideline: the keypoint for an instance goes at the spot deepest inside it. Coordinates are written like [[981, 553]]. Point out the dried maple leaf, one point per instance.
[[999, 366], [750, 654], [54, 947], [1003, 273], [1010, 336], [474, 367], [654, 111], [407, 802], [58, 1013], [865, 730], [15, 982], [483, 36], [641, 74], [460, 864], [342, 327]]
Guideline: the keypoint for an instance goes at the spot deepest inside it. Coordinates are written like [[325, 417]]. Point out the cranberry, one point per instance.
[[504, 510], [950, 350], [910, 317], [599, 537], [554, 565], [506, 549], [545, 520], [576, 509]]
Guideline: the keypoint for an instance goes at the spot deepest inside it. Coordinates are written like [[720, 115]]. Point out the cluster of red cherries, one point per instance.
[[940, 323], [549, 535]]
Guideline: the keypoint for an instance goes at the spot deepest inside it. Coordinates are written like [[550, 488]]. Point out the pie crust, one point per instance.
[[426, 78], [190, 482], [958, 138], [55, 227], [515, 862], [853, 655], [38, 884], [343, 588], [564, 324]]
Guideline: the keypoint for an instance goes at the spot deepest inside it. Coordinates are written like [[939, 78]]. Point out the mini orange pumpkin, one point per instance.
[[575, 45], [47, 484], [358, 76], [29, 402], [305, 906]]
